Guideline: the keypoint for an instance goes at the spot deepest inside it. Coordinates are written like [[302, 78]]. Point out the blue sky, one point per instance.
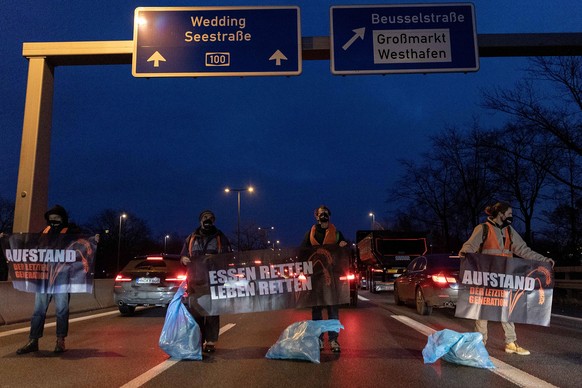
[[164, 149]]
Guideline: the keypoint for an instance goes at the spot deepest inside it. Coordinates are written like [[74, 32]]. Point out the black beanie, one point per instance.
[[58, 210], [207, 212]]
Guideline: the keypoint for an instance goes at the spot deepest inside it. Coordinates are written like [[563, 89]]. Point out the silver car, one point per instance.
[[150, 280], [429, 281]]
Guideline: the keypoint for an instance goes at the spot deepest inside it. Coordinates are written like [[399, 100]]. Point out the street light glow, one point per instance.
[[121, 217], [166, 237], [250, 189]]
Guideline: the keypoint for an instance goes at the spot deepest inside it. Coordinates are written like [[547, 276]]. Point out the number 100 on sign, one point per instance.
[[217, 59]]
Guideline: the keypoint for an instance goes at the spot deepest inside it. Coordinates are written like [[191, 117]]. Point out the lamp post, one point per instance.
[[121, 217], [266, 230], [373, 220], [250, 189], [275, 242], [166, 237]]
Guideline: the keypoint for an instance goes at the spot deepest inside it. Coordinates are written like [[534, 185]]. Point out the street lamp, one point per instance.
[[121, 217], [250, 189], [373, 220], [266, 232], [166, 237], [274, 242]]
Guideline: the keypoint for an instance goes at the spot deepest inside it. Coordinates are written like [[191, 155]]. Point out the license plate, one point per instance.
[[147, 280]]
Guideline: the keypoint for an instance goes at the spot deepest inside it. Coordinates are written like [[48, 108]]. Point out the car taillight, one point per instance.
[[349, 277], [121, 278], [443, 279], [155, 258], [177, 278]]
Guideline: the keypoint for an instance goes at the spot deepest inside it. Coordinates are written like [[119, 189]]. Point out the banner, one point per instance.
[[505, 289], [265, 280], [63, 263]]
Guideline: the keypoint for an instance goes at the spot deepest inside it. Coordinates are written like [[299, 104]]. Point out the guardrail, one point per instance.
[[16, 306], [572, 277], [568, 281]]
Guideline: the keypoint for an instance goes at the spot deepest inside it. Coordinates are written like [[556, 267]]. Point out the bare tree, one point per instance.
[[135, 239], [470, 163], [251, 238], [428, 185], [518, 178], [558, 116]]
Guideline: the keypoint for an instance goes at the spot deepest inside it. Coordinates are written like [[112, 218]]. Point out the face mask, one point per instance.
[[508, 221], [323, 217]]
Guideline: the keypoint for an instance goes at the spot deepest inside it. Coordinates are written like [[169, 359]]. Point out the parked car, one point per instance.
[[150, 280], [429, 281]]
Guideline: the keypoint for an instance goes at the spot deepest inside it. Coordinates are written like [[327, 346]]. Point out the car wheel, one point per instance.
[[372, 283], [397, 300], [421, 307], [126, 310]]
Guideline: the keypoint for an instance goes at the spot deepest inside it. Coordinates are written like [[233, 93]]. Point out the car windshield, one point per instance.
[[150, 264]]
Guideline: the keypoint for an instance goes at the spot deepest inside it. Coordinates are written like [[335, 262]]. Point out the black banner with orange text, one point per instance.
[[50, 264], [505, 289]]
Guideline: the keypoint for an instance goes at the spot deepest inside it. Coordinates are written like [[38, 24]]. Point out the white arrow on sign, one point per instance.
[[358, 33], [277, 57], [156, 58]]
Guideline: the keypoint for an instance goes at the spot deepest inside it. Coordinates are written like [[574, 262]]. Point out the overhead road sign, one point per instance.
[[216, 41], [414, 38]]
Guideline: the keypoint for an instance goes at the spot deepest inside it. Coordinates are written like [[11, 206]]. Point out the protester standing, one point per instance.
[[57, 225], [497, 237], [324, 233], [207, 239]]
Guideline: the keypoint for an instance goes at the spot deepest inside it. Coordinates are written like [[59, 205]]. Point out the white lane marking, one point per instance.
[[506, 371], [226, 328], [150, 374], [517, 376], [422, 329], [360, 297], [53, 324], [156, 370]]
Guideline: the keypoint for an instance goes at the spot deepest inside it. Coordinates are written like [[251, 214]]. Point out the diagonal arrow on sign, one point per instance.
[[156, 58], [358, 33], [277, 57]]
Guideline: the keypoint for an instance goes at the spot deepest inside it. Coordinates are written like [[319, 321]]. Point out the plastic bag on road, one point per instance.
[[300, 341], [180, 337], [459, 348]]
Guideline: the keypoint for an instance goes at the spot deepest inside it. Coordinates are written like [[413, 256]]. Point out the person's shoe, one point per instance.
[[320, 343], [335, 346], [60, 346], [209, 347], [515, 348], [31, 346]]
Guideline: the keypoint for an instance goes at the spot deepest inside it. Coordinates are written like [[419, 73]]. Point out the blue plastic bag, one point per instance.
[[180, 336], [300, 341], [458, 348]]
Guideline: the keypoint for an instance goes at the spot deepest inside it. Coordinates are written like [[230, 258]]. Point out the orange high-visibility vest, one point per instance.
[[46, 230], [194, 237], [331, 236], [491, 244]]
